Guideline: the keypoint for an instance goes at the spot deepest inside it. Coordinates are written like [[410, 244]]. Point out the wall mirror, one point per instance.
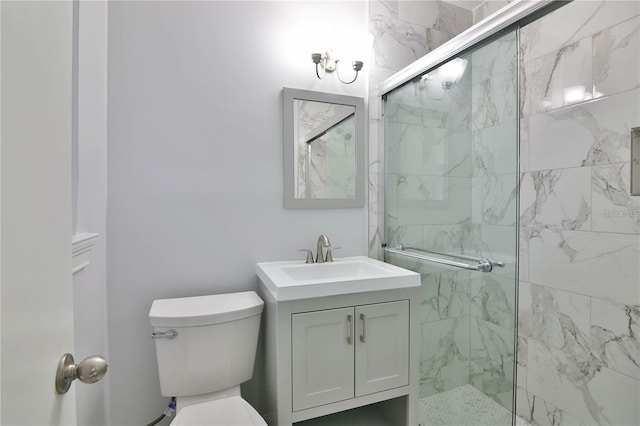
[[324, 154]]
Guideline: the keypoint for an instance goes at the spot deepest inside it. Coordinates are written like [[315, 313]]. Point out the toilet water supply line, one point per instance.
[[168, 412]]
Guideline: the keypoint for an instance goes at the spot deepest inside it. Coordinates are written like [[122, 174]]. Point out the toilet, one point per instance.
[[206, 347]]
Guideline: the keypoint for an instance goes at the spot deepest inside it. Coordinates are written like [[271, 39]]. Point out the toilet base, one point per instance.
[[231, 411]]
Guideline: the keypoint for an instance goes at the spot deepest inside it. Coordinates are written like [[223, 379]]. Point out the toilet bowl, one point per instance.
[[206, 347], [232, 411]]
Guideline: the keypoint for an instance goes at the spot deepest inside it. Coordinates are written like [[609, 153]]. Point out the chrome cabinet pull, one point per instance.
[[169, 334], [363, 318], [350, 336]]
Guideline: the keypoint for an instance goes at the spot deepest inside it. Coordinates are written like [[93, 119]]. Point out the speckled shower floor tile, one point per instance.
[[464, 406]]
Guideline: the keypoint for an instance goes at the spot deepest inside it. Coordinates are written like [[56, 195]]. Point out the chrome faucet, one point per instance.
[[323, 241]]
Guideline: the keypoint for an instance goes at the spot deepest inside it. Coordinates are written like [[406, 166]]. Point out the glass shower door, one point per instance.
[[451, 141]]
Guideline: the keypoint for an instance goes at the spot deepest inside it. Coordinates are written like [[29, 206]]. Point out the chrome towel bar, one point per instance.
[[482, 265]]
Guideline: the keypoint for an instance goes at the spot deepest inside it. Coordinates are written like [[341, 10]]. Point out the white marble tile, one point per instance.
[[391, 200], [554, 317], [443, 295], [499, 206], [376, 179], [444, 361], [582, 387], [383, 8], [375, 242], [433, 200], [587, 17], [494, 59], [435, 38], [615, 336], [397, 234], [492, 348], [614, 209], [447, 238], [521, 361], [396, 43], [498, 243], [488, 8], [494, 100], [602, 265], [493, 299], [523, 254], [556, 199], [544, 80], [537, 411], [477, 199], [524, 145], [422, 150], [616, 62], [436, 14], [591, 133], [494, 149]]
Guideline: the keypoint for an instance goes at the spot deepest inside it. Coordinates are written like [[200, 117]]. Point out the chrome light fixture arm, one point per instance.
[[330, 64]]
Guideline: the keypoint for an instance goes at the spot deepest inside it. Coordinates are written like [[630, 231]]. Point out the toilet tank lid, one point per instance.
[[204, 310]]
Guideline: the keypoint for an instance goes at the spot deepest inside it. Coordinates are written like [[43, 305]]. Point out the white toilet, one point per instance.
[[206, 347]]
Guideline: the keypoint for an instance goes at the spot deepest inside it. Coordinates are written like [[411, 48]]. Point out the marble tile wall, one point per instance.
[[451, 170], [579, 301], [403, 31], [494, 176], [579, 242]]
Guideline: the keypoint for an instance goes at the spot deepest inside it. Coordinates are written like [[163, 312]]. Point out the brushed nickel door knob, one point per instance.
[[89, 370]]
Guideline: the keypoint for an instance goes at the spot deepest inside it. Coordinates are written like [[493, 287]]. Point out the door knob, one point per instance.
[[89, 370]]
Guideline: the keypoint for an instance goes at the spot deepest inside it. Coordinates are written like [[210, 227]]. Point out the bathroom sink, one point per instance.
[[292, 280]]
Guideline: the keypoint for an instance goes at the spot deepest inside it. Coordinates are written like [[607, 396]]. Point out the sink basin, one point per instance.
[[292, 280]]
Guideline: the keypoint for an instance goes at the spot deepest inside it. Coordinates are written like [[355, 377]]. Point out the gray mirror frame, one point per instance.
[[290, 202]]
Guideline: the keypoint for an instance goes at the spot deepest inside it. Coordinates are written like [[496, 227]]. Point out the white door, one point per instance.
[[322, 357], [382, 347], [35, 177]]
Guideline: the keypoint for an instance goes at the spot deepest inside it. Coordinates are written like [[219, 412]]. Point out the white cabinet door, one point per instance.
[[382, 347], [322, 355]]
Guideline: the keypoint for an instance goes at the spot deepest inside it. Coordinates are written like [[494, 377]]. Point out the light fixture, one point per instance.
[[446, 76], [329, 63], [451, 72]]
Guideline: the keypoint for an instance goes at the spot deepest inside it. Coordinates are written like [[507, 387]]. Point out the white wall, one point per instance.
[[195, 161], [90, 312]]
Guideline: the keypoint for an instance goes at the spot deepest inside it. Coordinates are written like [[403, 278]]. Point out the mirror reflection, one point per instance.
[[325, 150]]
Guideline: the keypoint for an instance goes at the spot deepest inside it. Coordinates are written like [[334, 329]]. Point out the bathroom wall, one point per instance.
[[579, 303], [89, 284], [195, 186]]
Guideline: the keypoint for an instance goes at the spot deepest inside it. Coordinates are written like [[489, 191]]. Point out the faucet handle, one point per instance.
[[309, 255], [329, 257]]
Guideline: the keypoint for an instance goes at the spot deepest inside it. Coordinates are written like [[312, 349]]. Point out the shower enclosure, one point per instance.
[[451, 198], [507, 187]]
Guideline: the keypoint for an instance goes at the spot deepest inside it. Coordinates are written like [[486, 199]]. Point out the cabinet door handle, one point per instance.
[[350, 336], [364, 327]]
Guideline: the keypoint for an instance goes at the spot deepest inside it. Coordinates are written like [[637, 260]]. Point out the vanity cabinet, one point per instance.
[[349, 352], [324, 357]]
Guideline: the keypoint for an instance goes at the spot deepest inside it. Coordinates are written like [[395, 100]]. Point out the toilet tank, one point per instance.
[[215, 345]]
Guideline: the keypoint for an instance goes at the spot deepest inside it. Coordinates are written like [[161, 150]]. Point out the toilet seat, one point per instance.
[[232, 411]]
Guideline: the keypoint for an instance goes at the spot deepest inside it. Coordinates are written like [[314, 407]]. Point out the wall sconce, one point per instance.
[[329, 64], [446, 76]]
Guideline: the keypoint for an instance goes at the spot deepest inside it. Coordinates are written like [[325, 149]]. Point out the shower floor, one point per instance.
[[464, 406]]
